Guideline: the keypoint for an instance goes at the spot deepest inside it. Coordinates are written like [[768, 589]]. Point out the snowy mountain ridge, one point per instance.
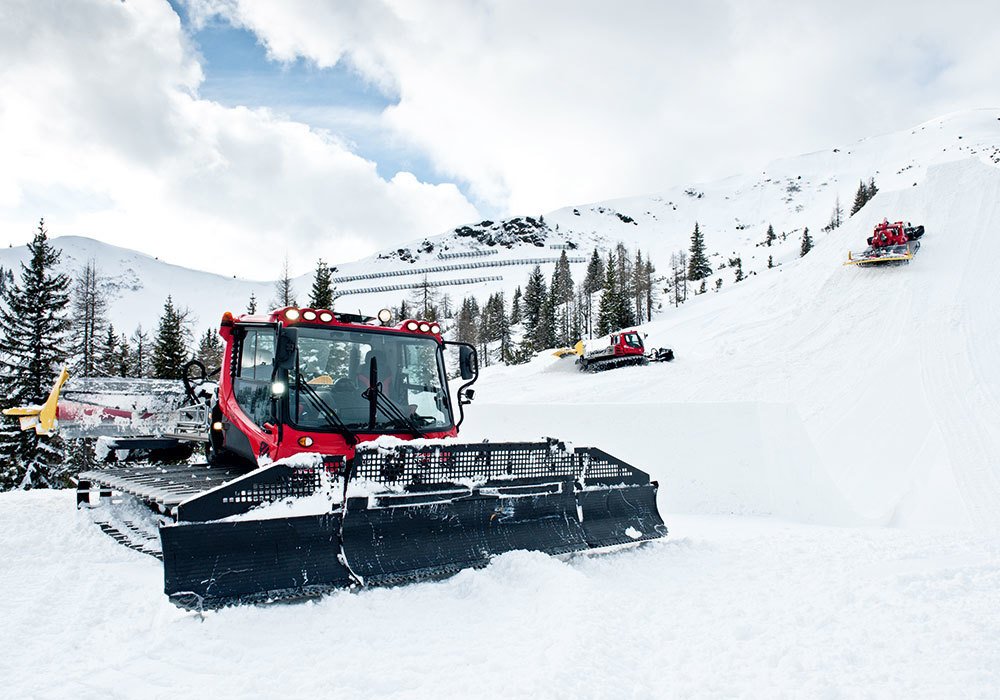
[[734, 213]]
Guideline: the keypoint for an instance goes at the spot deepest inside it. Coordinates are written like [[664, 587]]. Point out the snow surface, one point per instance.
[[727, 607], [826, 446]]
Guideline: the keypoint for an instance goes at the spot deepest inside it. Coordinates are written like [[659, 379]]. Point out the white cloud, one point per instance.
[[103, 133], [540, 105]]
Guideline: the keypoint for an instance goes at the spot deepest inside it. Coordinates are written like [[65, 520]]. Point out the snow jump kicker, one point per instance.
[[332, 463]]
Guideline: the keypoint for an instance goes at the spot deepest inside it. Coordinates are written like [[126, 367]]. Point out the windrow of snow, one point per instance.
[[820, 392]]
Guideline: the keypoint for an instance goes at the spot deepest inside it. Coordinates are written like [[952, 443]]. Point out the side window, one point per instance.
[[253, 384]]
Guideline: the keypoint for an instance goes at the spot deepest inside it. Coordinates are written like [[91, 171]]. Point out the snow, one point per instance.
[[729, 606], [826, 447]]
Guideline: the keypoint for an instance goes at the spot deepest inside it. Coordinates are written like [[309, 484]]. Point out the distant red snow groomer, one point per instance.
[[890, 244], [357, 411], [618, 349]]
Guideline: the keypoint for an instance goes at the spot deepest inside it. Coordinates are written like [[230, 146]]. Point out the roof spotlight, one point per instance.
[[424, 326], [384, 316], [411, 325], [292, 314], [435, 329], [326, 317], [309, 315]]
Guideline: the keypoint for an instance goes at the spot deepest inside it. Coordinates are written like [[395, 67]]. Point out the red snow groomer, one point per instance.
[[890, 243], [331, 463], [615, 350]]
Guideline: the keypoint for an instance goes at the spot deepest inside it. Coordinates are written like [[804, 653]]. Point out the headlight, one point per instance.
[[217, 425], [384, 316], [435, 329], [326, 317], [309, 315], [425, 327], [292, 314]]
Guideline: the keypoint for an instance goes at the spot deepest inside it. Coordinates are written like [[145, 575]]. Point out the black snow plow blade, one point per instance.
[[425, 512]]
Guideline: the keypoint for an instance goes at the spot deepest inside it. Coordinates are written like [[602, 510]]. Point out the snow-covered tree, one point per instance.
[[209, 351], [108, 354], [33, 345], [321, 294], [284, 293], [807, 242], [698, 266], [88, 317], [769, 237], [252, 304], [140, 365], [170, 352], [424, 300]]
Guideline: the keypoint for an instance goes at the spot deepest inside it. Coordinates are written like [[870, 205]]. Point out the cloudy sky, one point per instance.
[[223, 134]]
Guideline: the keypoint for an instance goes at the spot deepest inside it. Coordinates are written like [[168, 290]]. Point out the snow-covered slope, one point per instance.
[[821, 392], [734, 214]]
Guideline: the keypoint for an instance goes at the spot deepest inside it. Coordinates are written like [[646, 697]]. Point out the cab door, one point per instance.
[[252, 391]]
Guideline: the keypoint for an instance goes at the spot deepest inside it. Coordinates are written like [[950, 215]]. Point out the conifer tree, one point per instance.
[[515, 307], [252, 304], [33, 330], [545, 331], [698, 266], [404, 309], [872, 188], [607, 310], [140, 360], [170, 352], [562, 294], [860, 198], [284, 293], [123, 363], [321, 294], [534, 295], [737, 265], [467, 323], [89, 309], [807, 242], [770, 261], [209, 351], [424, 300], [593, 282], [769, 238], [109, 354]]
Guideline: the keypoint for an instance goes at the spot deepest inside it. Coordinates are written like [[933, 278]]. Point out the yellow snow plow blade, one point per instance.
[[566, 352], [874, 260], [41, 418]]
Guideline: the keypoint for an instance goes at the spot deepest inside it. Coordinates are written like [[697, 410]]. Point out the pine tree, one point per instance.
[[770, 262], [515, 307], [872, 188], [284, 293], [649, 285], [404, 309], [562, 295], [89, 309], [108, 354], [33, 330], [252, 304], [545, 331], [467, 323], [836, 218], [593, 282], [123, 362], [807, 242], [718, 283], [860, 198], [607, 309], [424, 300], [737, 265], [698, 266], [140, 361], [770, 238], [679, 266], [170, 352], [209, 351], [534, 295], [321, 294]]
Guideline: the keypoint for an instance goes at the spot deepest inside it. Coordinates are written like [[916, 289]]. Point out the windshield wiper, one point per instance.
[[328, 413], [374, 392]]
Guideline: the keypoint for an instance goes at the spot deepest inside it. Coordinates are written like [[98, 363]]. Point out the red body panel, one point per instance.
[[280, 443]]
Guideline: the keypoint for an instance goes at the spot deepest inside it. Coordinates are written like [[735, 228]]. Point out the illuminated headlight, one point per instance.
[[326, 317], [425, 327], [411, 325], [435, 328], [217, 425], [277, 388], [292, 314], [305, 441], [384, 316], [309, 315]]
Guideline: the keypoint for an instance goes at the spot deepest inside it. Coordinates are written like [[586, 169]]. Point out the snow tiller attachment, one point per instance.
[[332, 463]]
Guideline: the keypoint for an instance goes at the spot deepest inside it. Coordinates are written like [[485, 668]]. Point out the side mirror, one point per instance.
[[284, 357], [468, 363], [466, 396]]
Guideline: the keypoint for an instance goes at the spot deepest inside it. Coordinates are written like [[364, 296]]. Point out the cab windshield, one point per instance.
[[332, 375], [632, 340]]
